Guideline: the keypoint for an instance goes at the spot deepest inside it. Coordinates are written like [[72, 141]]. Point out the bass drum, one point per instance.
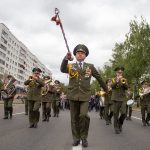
[[130, 102]]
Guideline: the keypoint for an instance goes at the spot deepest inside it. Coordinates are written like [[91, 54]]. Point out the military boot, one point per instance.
[[117, 131], [76, 143], [31, 126], [144, 122], [5, 113], [10, 110], [44, 117], [147, 119], [84, 143]]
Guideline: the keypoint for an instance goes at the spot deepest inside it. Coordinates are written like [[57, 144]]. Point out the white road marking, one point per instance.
[[18, 113], [79, 147], [136, 118]]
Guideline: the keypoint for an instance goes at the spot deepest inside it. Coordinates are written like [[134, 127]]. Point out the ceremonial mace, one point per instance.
[[57, 19]]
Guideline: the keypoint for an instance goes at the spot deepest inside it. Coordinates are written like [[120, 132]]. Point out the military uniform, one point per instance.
[[47, 101], [119, 103], [26, 105], [145, 106], [8, 102], [8, 106], [57, 94], [25, 100], [79, 94], [129, 107], [1, 87], [108, 108], [34, 98]]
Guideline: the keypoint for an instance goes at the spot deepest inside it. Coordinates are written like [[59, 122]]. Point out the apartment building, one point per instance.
[[16, 59]]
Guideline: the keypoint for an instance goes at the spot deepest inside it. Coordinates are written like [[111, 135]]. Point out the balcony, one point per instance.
[[21, 66]]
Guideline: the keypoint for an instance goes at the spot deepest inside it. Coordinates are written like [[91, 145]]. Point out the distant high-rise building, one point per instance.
[[16, 59]]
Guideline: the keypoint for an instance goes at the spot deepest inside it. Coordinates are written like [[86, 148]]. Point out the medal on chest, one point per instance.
[[88, 72]]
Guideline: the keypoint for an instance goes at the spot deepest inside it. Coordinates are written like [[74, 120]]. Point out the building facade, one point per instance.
[[16, 59]]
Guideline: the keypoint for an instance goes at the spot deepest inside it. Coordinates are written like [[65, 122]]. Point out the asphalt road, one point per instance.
[[56, 134]]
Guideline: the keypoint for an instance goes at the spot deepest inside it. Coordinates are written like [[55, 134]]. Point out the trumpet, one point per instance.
[[123, 80], [30, 78], [33, 82]]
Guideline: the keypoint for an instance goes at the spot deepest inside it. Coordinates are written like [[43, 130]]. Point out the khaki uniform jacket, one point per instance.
[[108, 98], [34, 89], [57, 92], [79, 88], [145, 100], [119, 92]]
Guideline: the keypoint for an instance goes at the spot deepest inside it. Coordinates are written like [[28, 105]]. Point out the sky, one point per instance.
[[98, 24]]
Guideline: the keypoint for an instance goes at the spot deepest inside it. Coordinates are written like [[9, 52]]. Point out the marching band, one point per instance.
[[116, 102], [115, 97]]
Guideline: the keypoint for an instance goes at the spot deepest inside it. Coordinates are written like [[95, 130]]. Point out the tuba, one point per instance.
[[45, 89], [144, 92], [9, 89]]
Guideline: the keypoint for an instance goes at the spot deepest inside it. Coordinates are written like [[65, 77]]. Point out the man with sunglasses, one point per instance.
[[34, 84], [119, 87]]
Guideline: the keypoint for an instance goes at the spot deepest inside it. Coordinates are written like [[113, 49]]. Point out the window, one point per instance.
[[3, 47], [2, 62], [9, 45], [20, 71], [2, 54], [21, 66], [9, 39], [4, 33], [3, 40], [8, 52], [20, 77], [1, 69], [7, 65]]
